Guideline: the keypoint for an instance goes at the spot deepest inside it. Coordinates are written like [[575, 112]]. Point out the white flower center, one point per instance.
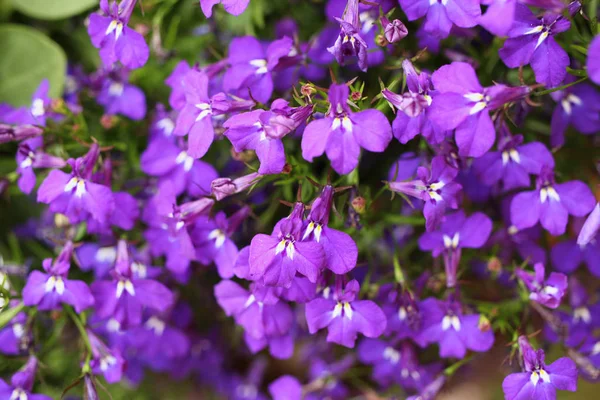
[[582, 314], [315, 228], [261, 66], [451, 242], [156, 324], [511, 155], [343, 308], [37, 108], [392, 355], [18, 394], [167, 125], [538, 375], [344, 122], [125, 285], [106, 254], [107, 361], [549, 192], [55, 283], [77, 184], [219, 237], [288, 246], [116, 89], [451, 321], [205, 111], [186, 160], [116, 26]]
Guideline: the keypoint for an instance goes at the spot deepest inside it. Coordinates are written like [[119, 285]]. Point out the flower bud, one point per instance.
[[359, 204], [308, 90], [9, 133], [89, 388], [381, 41], [394, 31]]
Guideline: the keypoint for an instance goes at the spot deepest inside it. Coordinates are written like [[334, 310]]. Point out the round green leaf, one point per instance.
[[28, 57], [53, 9]]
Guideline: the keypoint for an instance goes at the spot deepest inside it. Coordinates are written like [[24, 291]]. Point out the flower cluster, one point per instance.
[[226, 222]]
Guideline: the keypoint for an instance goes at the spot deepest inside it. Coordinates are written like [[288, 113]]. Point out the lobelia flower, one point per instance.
[[579, 106], [168, 224], [117, 96], [74, 194], [171, 163], [551, 203], [413, 375], [444, 323], [567, 256], [48, 290], [590, 228], [162, 125], [344, 316], [548, 292], [263, 131], [431, 390], [414, 104], [225, 187], [456, 232], [125, 295], [499, 16], [461, 103], [538, 380], [286, 387], [117, 41], [403, 314], [37, 113], [10, 133], [234, 7], [15, 337], [436, 187], [251, 70], [265, 318], [442, 15], [21, 384], [593, 60], [329, 372], [342, 132], [513, 162], [531, 41], [580, 323], [340, 250], [275, 259], [349, 42], [30, 155], [394, 31], [105, 361], [212, 240]]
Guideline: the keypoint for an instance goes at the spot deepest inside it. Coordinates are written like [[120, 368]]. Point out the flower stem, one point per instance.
[[84, 336]]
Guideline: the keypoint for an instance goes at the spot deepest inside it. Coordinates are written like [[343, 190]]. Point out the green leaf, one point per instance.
[[28, 57], [7, 315], [53, 9]]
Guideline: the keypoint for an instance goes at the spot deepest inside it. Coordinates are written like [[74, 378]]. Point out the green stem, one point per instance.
[[454, 367], [556, 89], [86, 339]]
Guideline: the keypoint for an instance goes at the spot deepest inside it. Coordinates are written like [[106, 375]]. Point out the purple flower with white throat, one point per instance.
[[577, 105], [342, 132], [513, 162], [118, 96], [461, 103], [436, 187], [457, 232], [344, 316], [21, 384], [117, 41], [105, 361], [340, 250], [548, 292], [275, 259], [30, 155], [551, 203], [233, 7], [538, 380], [36, 113], [455, 332], [349, 42], [125, 295], [531, 41], [74, 194], [441, 15], [250, 73], [47, 290], [263, 131], [212, 240], [16, 336]]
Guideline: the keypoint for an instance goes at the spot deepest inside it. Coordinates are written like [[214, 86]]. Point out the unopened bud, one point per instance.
[[359, 204], [108, 121], [308, 90], [381, 41], [89, 388], [9, 133], [494, 265], [356, 96], [244, 156], [287, 168], [484, 324], [394, 31]]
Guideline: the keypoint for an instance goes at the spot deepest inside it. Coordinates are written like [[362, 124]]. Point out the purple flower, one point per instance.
[[342, 132], [579, 106], [30, 156], [531, 41], [225, 187], [593, 60], [15, 337], [512, 163], [212, 240], [403, 314], [344, 316], [538, 380], [21, 383], [117, 41], [275, 259], [250, 73], [568, 255], [548, 292], [590, 228], [414, 104], [340, 250], [37, 113], [263, 131], [175, 82], [499, 16], [17, 133], [437, 188], [349, 42], [119, 97], [125, 295], [551, 204], [286, 387], [444, 323], [234, 7], [48, 290], [455, 233], [170, 163], [74, 194], [441, 15], [105, 361]]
